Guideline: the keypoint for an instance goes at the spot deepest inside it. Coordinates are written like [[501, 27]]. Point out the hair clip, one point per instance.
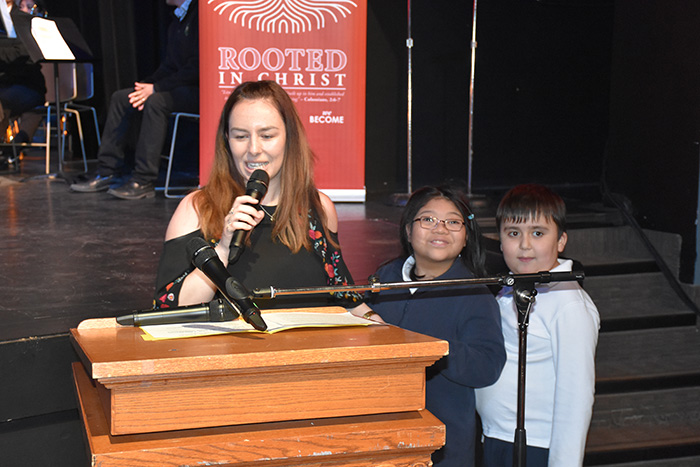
[[470, 217]]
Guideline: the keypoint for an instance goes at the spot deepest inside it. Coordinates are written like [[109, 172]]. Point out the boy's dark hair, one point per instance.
[[472, 255], [531, 201]]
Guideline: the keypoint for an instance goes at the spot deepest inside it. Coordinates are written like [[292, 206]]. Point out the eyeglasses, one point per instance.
[[428, 222]]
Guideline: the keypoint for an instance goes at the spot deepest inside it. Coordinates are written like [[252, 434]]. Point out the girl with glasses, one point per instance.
[[440, 239]]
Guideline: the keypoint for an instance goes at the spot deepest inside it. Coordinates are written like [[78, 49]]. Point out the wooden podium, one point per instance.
[[351, 396]]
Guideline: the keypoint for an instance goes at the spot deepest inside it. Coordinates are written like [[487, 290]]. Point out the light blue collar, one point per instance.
[[181, 11]]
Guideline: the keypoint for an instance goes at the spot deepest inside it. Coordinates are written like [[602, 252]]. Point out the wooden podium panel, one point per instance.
[[395, 439], [252, 378]]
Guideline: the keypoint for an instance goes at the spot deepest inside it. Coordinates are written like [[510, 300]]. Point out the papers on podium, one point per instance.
[[276, 320]]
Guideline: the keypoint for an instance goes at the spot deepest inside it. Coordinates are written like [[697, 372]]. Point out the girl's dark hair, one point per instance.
[[530, 201], [472, 255]]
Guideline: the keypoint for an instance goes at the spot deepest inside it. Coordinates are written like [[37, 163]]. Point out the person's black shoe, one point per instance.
[[134, 190], [94, 184]]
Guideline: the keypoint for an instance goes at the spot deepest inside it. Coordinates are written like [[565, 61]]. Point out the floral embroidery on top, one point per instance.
[[169, 298], [332, 261]]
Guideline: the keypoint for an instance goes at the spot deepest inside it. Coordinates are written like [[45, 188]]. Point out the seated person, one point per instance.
[[29, 121], [33, 7], [22, 86], [173, 87]]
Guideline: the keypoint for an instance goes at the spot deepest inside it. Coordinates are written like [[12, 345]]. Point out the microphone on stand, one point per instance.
[[205, 259], [256, 187], [216, 310], [543, 277]]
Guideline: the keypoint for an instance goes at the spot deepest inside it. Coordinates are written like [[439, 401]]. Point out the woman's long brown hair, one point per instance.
[[298, 191]]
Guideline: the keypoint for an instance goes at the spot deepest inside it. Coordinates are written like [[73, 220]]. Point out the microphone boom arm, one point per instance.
[[375, 286]]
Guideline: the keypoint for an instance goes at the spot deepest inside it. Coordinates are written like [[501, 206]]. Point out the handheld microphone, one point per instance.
[[216, 310], [205, 259], [256, 187]]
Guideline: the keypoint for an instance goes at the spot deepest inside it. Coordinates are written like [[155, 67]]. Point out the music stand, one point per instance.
[[81, 51]]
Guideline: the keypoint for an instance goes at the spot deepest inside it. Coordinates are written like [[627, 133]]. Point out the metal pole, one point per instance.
[[409, 46], [375, 285], [59, 122], [471, 104], [524, 293]]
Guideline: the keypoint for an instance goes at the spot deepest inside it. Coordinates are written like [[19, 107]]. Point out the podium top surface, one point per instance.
[[121, 351]]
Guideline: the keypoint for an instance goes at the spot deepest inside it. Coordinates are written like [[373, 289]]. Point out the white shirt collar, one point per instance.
[[406, 271]]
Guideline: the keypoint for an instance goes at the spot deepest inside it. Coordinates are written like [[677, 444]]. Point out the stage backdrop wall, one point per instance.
[[316, 53]]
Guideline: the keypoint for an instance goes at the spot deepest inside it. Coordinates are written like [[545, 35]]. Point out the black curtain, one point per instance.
[[541, 95], [127, 39]]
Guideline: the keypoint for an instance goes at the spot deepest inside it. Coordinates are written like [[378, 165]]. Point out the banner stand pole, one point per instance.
[[400, 199], [471, 103], [470, 195]]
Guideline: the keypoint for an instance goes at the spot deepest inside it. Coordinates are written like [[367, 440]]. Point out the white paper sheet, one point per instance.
[[50, 40], [276, 321], [7, 20]]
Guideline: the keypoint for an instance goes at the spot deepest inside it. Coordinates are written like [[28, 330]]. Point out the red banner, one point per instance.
[[316, 50]]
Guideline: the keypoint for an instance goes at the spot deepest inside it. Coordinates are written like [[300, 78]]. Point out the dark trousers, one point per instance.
[[499, 453], [19, 99], [152, 130]]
